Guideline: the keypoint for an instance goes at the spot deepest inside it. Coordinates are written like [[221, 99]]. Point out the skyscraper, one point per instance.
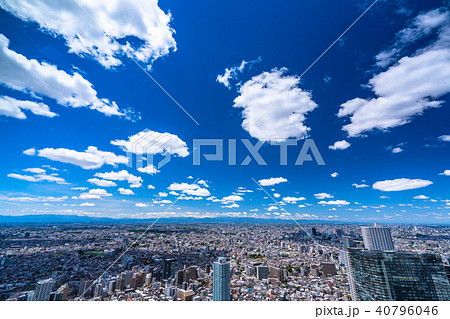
[[221, 280], [396, 276], [43, 289], [347, 242], [377, 238]]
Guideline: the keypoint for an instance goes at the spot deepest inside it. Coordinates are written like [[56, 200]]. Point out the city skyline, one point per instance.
[[73, 106]]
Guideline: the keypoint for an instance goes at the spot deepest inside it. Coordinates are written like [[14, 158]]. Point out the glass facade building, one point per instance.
[[396, 276], [221, 280]]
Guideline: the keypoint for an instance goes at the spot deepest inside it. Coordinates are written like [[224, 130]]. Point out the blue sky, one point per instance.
[[376, 105]]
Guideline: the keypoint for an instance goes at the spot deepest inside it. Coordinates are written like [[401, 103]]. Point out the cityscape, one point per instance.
[[230, 261]]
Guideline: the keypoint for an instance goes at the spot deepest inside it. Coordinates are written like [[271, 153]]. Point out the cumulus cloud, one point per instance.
[[335, 174], [407, 88], [30, 152], [272, 181], [13, 108], [101, 182], [190, 189], [141, 205], [97, 193], [232, 73], [273, 110], [43, 79], [141, 26], [334, 202], [421, 197], [92, 158], [35, 170], [396, 150], [150, 187], [203, 183], [233, 205], [149, 169], [359, 185], [445, 138], [292, 200], [232, 198], [124, 191], [422, 25], [123, 175], [400, 184], [323, 195], [446, 172], [40, 175], [88, 204], [151, 142], [339, 145]]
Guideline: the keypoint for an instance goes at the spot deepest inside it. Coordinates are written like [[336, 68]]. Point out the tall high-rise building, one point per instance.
[[396, 276], [167, 267], [43, 289], [262, 272], [221, 280], [347, 242], [377, 238]]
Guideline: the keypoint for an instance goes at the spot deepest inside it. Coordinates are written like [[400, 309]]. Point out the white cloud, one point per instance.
[[30, 152], [34, 170], [323, 195], [151, 142], [396, 150], [401, 184], [334, 202], [446, 172], [43, 79], [88, 204], [339, 145], [149, 169], [193, 189], [276, 195], [40, 175], [406, 89], [142, 205], [143, 22], [335, 174], [445, 138], [232, 198], [37, 199], [282, 120], [421, 197], [271, 208], [79, 188], [124, 191], [162, 194], [101, 182], [293, 200], [233, 205], [272, 181], [97, 193], [202, 182], [233, 72], [359, 185], [123, 175], [92, 158], [151, 187], [13, 108]]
